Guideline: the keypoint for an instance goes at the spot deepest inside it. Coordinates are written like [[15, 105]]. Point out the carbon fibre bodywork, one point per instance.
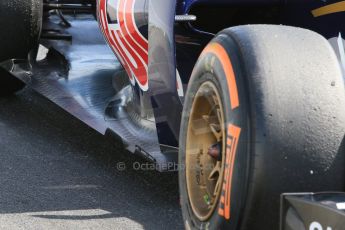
[[174, 47], [141, 104], [316, 211]]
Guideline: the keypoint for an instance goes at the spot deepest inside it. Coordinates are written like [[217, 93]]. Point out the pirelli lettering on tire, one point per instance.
[[231, 149], [233, 131]]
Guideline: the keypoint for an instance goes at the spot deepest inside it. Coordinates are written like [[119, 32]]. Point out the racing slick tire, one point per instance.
[[263, 115], [20, 24]]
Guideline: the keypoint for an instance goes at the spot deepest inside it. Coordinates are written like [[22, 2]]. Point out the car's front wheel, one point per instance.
[[264, 114]]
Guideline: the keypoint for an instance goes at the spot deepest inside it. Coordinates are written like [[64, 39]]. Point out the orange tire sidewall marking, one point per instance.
[[231, 149], [224, 59], [233, 131], [329, 9]]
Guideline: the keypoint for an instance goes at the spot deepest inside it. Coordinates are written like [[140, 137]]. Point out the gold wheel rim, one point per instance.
[[205, 171]]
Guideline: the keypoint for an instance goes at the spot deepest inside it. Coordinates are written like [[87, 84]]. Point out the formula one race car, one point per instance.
[[245, 98]]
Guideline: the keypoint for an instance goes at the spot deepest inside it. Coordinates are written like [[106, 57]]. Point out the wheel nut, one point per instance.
[[215, 151]]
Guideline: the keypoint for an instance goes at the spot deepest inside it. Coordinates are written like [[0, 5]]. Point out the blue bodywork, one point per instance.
[[183, 42], [148, 121], [183, 6]]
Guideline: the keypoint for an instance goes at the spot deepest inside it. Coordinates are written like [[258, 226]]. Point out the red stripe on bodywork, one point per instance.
[[126, 36], [132, 26], [127, 39], [140, 71], [133, 34], [109, 38]]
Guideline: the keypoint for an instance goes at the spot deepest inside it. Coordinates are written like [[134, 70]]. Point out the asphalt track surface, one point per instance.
[[57, 173]]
